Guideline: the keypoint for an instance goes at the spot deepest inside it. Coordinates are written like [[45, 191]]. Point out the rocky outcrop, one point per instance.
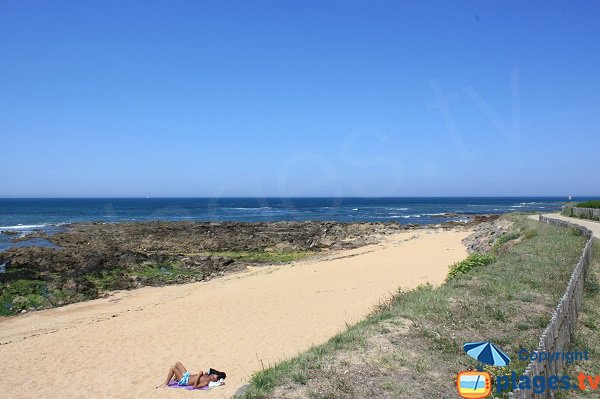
[[485, 234], [93, 258]]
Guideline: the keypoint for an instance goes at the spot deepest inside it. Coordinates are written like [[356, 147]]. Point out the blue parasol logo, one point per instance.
[[477, 384], [486, 352]]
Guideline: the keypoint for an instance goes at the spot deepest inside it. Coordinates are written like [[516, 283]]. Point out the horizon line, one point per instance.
[[309, 197]]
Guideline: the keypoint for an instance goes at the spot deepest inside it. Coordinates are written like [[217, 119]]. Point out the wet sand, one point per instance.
[[123, 345]]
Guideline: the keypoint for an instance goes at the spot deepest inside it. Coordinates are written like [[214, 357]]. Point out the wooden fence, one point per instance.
[[586, 213], [558, 334]]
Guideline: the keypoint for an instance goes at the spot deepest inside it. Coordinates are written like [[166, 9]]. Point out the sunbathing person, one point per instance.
[[200, 380]]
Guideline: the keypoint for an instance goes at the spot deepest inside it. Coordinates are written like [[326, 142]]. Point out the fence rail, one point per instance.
[[559, 333], [587, 213]]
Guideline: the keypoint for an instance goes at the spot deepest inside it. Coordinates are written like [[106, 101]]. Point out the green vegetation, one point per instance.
[[24, 294], [589, 204], [418, 335], [472, 261], [164, 272], [21, 295], [107, 280], [259, 256], [504, 238], [567, 209], [172, 272]]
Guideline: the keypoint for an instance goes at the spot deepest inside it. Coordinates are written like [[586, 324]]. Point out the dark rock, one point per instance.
[[485, 234], [69, 287], [87, 288], [95, 257]]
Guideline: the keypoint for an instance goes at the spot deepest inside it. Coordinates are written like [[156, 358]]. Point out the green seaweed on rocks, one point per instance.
[[260, 256], [22, 295], [166, 272]]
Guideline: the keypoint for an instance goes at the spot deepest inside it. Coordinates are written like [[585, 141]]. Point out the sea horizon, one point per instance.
[[586, 197], [25, 214]]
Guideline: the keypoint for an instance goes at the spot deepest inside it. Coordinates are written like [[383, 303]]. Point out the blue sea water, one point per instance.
[[26, 215], [43, 212]]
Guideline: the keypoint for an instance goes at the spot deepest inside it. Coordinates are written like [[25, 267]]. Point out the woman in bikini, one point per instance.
[[185, 378]]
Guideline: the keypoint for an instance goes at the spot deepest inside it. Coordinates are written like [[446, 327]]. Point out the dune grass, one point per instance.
[[418, 335]]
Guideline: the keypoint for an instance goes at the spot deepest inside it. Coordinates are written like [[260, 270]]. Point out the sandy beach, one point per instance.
[[123, 345]]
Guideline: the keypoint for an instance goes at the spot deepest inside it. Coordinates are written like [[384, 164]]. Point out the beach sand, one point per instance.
[[122, 346]]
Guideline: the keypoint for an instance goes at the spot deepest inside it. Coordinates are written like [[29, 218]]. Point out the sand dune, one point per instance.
[[122, 346]]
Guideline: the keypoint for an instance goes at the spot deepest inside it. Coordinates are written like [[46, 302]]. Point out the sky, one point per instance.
[[299, 98]]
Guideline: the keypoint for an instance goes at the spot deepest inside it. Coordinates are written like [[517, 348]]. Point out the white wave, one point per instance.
[[355, 209], [516, 206], [23, 227]]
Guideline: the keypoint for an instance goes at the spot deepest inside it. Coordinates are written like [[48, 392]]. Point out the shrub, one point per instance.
[[472, 261], [589, 204], [567, 209], [530, 233]]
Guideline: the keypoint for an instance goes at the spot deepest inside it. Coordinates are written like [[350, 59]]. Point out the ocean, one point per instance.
[[24, 215]]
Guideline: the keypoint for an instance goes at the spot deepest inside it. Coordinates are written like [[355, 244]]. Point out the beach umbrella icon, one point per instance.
[[486, 352]]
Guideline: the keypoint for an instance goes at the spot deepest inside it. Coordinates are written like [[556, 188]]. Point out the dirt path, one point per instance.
[[122, 346], [590, 224]]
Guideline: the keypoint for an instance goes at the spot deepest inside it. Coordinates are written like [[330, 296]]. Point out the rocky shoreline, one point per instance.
[[95, 258], [486, 234]]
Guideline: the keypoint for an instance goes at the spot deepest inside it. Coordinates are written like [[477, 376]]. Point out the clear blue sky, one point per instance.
[[299, 98]]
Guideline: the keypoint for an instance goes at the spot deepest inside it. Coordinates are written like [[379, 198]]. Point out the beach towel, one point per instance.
[[174, 384]]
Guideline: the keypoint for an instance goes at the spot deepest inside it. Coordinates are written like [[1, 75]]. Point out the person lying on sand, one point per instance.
[[200, 380]]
